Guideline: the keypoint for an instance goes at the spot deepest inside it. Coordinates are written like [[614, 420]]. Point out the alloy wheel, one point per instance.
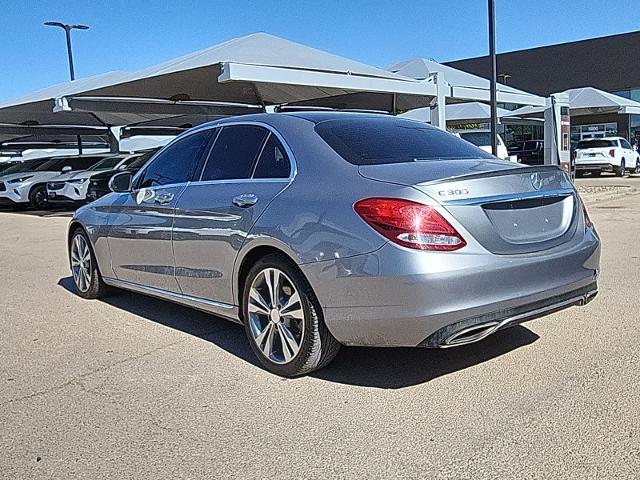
[[276, 316], [40, 199], [81, 263]]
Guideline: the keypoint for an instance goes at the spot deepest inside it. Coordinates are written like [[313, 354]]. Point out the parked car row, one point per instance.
[[41, 182]]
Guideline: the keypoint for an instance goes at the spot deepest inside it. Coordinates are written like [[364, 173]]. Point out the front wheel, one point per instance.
[[38, 198], [84, 268], [283, 319]]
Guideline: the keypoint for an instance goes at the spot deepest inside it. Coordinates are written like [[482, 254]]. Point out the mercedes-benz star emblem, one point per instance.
[[536, 181]]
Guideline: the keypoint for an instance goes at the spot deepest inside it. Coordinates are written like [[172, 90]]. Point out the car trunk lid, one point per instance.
[[507, 208]]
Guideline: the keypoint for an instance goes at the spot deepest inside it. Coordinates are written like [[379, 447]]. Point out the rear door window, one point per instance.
[[625, 144], [273, 161], [234, 153], [385, 140]]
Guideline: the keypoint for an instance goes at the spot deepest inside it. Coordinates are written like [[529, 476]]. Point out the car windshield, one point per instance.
[[51, 165], [384, 140], [479, 139], [106, 163], [596, 144], [26, 166]]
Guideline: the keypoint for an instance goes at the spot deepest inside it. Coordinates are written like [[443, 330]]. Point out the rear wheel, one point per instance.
[[84, 268], [283, 319], [38, 198], [619, 171]]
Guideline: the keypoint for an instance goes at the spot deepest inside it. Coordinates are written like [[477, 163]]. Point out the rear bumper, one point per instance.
[[603, 167], [396, 297]]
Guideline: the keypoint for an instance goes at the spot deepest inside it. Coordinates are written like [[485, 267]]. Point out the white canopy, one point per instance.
[[586, 101], [472, 112], [464, 86], [238, 76]]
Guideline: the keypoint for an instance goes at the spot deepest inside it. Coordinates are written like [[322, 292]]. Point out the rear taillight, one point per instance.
[[409, 224], [612, 152]]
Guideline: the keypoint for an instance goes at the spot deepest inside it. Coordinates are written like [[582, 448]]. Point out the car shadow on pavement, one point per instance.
[[390, 368]]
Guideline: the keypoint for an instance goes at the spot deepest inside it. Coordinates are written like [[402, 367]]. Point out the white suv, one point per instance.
[[482, 138], [610, 154]]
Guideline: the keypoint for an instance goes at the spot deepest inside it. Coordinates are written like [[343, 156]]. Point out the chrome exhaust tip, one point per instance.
[[470, 334]]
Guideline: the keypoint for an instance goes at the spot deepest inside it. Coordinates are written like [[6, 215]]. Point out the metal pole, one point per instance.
[[67, 31], [492, 56]]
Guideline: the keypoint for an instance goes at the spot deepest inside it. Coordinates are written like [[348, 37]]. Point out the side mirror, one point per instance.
[[121, 182], [66, 168]]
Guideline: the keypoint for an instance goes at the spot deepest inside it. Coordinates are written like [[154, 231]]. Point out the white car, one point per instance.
[[610, 154], [482, 139], [71, 187], [30, 188]]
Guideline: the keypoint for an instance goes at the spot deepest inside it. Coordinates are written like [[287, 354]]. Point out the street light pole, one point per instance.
[[67, 30], [492, 56]]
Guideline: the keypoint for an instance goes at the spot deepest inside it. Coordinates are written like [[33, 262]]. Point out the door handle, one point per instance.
[[163, 198], [245, 200]]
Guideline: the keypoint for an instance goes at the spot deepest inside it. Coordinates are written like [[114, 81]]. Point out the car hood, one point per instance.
[[72, 176], [35, 176]]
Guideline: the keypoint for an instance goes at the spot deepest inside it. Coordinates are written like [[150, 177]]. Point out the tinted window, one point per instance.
[[234, 153], [273, 161], [176, 163], [139, 162], [373, 141], [52, 165], [479, 139], [106, 163], [25, 166], [625, 144], [596, 144]]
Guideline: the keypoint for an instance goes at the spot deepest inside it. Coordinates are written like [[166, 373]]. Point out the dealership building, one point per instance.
[[606, 63]]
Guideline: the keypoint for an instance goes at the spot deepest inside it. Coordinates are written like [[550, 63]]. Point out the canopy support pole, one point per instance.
[[438, 105]]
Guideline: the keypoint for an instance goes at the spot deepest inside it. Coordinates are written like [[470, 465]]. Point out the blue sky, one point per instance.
[[133, 34]]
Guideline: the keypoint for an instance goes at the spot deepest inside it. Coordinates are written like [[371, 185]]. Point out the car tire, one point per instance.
[[283, 319], [619, 171], [38, 198], [84, 268]]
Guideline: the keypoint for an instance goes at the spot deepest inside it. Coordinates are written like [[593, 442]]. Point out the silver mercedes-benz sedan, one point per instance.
[[321, 229]]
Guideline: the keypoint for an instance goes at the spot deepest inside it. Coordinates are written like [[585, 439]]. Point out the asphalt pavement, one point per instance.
[[135, 387]]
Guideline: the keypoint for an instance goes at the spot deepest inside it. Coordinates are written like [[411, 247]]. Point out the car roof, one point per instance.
[[602, 138]]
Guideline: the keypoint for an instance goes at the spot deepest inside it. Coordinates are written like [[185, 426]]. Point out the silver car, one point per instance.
[[321, 229]]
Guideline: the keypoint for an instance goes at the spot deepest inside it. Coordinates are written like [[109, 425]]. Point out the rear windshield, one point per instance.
[[479, 139], [596, 144], [377, 141]]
